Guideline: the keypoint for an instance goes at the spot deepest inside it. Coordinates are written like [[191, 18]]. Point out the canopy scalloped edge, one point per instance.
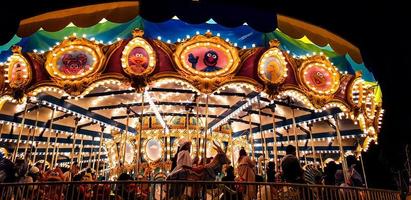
[[118, 12]]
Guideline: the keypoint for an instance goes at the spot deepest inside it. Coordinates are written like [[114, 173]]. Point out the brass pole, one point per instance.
[[251, 135], [99, 148], [363, 168], [312, 143], [57, 156], [1, 128], [198, 128], [76, 120], [80, 156], [90, 156], [35, 151], [321, 162], [50, 132], [140, 133], [16, 151], [343, 161], [206, 130], [275, 139], [295, 134], [262, 135], [125, 140], [54, 151], [33, 130], [33, 142]]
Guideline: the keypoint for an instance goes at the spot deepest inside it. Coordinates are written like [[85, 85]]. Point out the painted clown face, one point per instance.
[[210, 58]]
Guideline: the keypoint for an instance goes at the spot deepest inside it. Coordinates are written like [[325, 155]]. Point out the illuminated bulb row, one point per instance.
[[299, 123], [48, 89], [98, 84], [299, 97], [235, 113], [154, 107], [54, 106]]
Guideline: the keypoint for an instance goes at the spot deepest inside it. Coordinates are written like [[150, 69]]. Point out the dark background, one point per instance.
[[380, 30]]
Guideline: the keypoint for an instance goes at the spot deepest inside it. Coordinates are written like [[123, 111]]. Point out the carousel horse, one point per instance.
[[205, 173]]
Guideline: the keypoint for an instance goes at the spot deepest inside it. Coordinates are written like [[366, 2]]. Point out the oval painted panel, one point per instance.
[[272, 66], [74, 59], [138, 57], [153, 149], [320, 78], [75, 63], [129, 153], [19, 71], [206, 59]]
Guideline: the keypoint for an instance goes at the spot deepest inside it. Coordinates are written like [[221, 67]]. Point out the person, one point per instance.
[[74, 169], [271, 172], [184, 160], [246, 173], [330, 170], [230, 191], [354, 178], [7, 170], [292, 171]]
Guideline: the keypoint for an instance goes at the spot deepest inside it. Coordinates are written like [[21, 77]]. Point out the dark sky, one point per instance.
[[379, 29]]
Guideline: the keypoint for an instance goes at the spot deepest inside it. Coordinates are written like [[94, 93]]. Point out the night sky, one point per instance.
[[380, 30]]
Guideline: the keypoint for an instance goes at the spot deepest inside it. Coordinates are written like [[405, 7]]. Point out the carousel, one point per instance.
[[118, 93]]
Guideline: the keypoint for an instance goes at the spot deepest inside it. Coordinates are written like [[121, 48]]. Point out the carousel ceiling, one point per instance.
[[76, 87]]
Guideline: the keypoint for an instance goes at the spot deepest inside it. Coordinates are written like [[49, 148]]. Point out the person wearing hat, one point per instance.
[[182, 157]]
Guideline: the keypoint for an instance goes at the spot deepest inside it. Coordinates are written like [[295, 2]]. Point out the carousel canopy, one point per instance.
[[80, 81]]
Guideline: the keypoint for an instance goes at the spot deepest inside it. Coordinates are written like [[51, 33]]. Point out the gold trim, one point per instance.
[[75, 84], [145, 155], [273, 53], [322, 62], [206, 82], [18, 57], [138, 42]]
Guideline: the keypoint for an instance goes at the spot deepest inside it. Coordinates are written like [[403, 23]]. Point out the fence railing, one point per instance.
[[159, 190]]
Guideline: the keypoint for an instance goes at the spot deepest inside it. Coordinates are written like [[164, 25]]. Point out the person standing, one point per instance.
[[246, 173], [292, 171]]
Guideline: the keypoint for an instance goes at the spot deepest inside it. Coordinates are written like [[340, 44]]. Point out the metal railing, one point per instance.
[[159, 190]]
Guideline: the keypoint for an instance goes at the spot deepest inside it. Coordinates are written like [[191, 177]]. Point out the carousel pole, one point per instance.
[[205, 133], [140, 132], [80, 156], [33, 130], [321, 162], [363, 171], [99, 148], [310, 126], [295, 133], [251, 135], [16, 151], [50, 132], [125, 140], [197, 128], [33, 142], [76, 120], [54, 151], [1, 129], [275, 140], [363, 168], [35, 151], [57, 156], [90, 156], [262, 135], [343, 161]]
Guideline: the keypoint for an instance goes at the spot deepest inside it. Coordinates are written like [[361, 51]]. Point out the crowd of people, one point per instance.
[[289, 171]]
